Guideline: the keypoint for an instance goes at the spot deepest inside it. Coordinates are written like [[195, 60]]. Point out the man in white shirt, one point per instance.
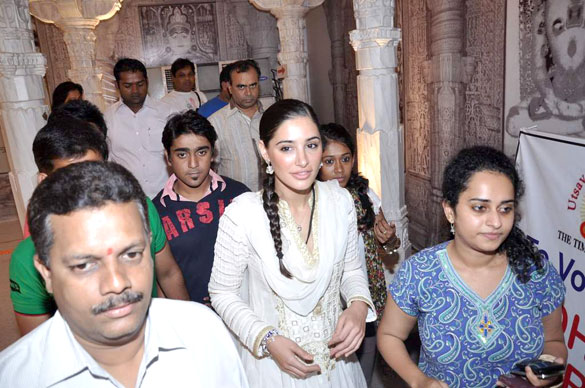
[[135, 125], [183, 96], [89, 225], [237, 125]]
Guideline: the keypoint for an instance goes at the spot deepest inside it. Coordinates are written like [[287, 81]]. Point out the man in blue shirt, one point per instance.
[[222, 99]]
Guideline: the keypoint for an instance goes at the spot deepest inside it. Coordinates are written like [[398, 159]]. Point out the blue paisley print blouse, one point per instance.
[[468, 341]]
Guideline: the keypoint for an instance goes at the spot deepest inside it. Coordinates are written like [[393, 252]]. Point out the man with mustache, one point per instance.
[[75, 132], [237, 126], [135, 125], [193, 199], [88, 222]]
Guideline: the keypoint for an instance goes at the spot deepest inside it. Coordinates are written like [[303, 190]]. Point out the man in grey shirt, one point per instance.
[[237, 126]]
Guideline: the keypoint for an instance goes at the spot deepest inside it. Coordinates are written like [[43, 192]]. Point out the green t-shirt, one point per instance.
[[27, 287]]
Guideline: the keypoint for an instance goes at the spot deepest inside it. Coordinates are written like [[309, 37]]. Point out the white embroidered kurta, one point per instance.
[[305, 308]]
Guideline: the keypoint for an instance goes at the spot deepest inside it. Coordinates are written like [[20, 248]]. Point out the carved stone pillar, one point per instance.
[[290, 15], [261, 34], [379, 136], [338, 75], [263, 38], [78, 20], [447, 73], [21, 97]]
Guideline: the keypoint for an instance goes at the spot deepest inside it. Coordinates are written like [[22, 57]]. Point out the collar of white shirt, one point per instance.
[[149, 103], [64, 357]]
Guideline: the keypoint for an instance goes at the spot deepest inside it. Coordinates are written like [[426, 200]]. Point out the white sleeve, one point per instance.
[[376, 201], [229, 265], [354, 283]]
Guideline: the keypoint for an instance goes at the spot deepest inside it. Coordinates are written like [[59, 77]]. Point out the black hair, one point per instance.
[[335, 132], [76, 187], [224, 75], [271, 120], [180, 64], [129, 64], [66, 137], [82, 110], [62, 90], [523, 256], [243, 66], [186, 123]]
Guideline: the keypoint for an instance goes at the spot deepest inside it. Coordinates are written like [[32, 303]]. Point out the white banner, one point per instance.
[[553, 215]]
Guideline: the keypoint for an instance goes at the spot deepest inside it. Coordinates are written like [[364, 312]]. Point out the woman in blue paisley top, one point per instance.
[[485, 299]]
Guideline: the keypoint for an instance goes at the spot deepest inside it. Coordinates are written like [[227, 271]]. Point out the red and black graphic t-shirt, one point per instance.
[[191, 229]]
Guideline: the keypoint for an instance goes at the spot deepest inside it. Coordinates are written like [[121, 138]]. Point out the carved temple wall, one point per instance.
[[221, 36], [483, 44], [476, 103], [417, 119]]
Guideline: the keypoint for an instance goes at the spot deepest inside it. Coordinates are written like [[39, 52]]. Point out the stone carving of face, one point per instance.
[[180, 40], [565, 30], [179, 33]]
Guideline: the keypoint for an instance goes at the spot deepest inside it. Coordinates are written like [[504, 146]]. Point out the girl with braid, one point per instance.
[[373, 229], [295, 245]]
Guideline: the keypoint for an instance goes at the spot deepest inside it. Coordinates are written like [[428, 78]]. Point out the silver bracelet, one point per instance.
[[394, 248], [268, 338]]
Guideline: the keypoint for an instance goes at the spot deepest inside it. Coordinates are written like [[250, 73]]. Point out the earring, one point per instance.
[[453, 229], [269, 169]]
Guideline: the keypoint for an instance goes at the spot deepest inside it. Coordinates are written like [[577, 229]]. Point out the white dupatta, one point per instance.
[[309, 282]]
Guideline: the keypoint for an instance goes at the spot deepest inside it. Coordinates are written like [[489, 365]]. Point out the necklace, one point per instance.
[[300, 228]]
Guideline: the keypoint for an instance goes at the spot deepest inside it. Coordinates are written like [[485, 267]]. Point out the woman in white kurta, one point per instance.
[[294, 245]]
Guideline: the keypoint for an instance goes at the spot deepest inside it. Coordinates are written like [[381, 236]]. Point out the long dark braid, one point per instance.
[[271, 120], [360, 184], [270, 202]]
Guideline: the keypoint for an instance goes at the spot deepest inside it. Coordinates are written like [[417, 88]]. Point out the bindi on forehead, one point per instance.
[[109, 251]]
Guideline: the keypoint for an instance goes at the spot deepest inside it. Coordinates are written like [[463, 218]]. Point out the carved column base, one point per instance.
[[80, 39], [291, 28], [92, 85], [21, 112], [380, 137], [380, 159], [295, 84], [78, 20], [290, 15]]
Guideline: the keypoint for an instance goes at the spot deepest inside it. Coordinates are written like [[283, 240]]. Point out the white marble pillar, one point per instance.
[[290, 15], [379, 136], [78, 20], [21, 98], [447, 72]]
